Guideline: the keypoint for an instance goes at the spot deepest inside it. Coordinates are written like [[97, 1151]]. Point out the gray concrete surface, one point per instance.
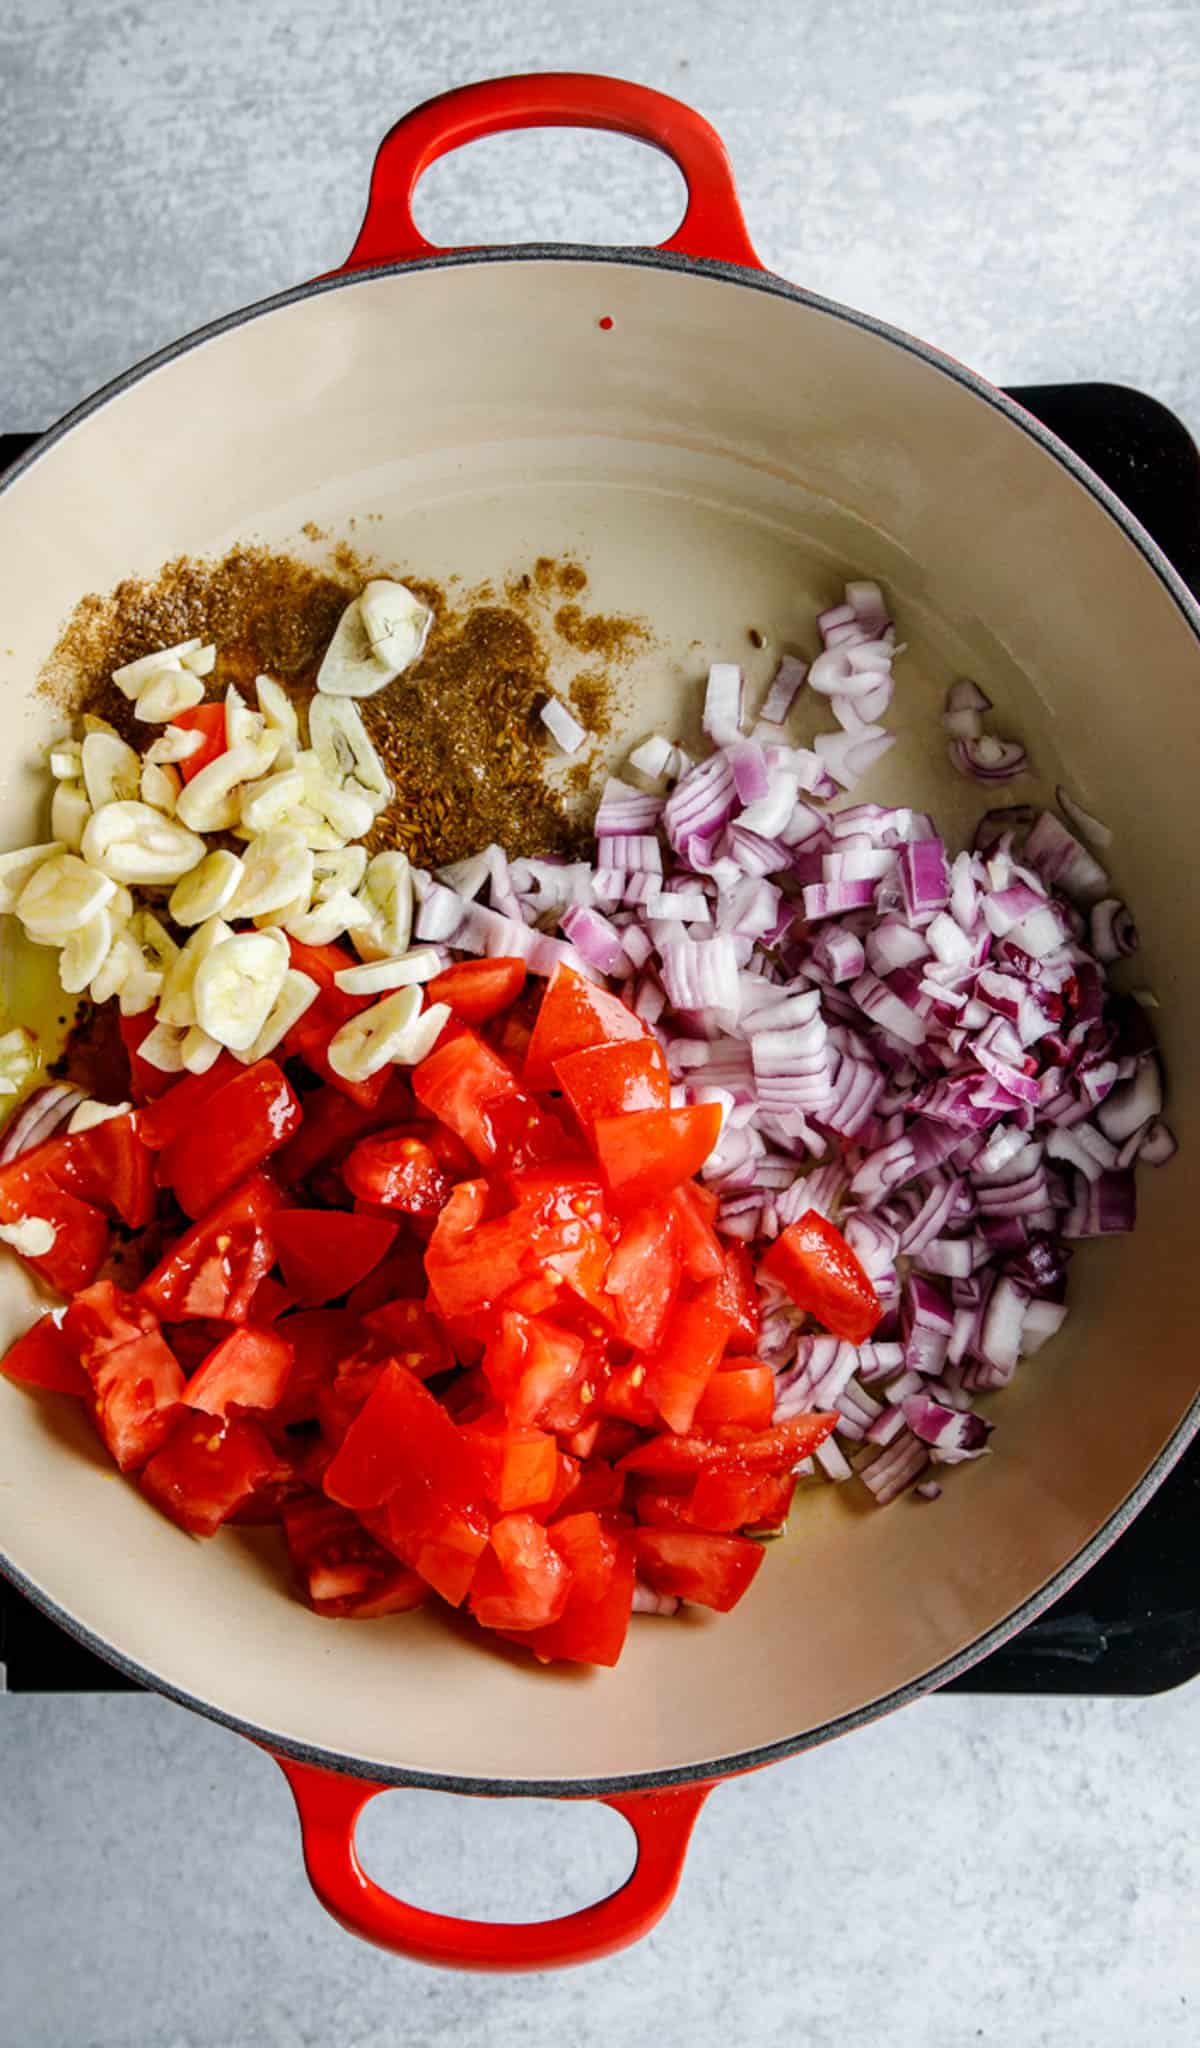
[[1018, 182]]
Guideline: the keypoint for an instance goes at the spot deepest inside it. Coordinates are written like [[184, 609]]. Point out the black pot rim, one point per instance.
[[1189, 1427]]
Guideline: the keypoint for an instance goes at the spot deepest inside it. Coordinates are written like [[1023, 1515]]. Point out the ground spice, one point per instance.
[[459, 733]]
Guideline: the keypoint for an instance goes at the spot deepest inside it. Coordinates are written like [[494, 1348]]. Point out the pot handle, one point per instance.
[[329, 1805], [712, 226]]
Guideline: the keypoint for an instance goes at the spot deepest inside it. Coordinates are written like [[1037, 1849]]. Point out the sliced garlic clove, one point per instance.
[[343, 869], [141, 987], [123, 961], [175, 744], [178, 1006], [208, 890], [201, 660], [277, 869], [349, 668], [242, 726], [329, 919], [200, 1052], [111, 770], [345, 811], [158, 947], [136, 674], [131, 842], [393, 1032], [85, 952], [279, 920], [236, 985], [19, 1060], [61, 895], [69, 813], [166, 695], [273, 801], [162, 1047], [342, 746], [298, 994], [160, 787], [64, 759], [212, 800], [91, 1113], [18, 867], [387, 893], [377, 975], [281, 716], [396, 623], [30, 1236]]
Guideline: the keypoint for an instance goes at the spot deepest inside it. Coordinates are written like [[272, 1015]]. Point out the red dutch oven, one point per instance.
[[722, 449]]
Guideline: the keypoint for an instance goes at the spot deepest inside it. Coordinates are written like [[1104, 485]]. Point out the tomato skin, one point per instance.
[[712, 1571], [522, 1579], [137, 1384], [770, 1450], [700, 1249], [683, 1363], [216, 1267], [520, 1466], [174, 1111], [574, 1015], [209, 721], [613, 1080], [235, 1132], [326, 1252], [645, 1156], [812, 1260], [745, 1395], [478, 990], [738, 1295], [397, 1170], [248, 1369], [43, 1357], [208, 1467]]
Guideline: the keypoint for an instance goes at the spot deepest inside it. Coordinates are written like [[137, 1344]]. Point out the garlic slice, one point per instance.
[[162, 1047], [208, 889], [298, 993], [387, 893], [396, 623], [178, 1005], [160, 787], [91, 1113], [17, 867], [392, 1032], [85, 952], [158, 947], [281, 716], [242, 726], [64, 760], [175, 744], [343, 747], [199, 1051], [277, 869], [18, 1060], [236, 986], [31, 1236], [342, 869], [273, 801], [166, 695], [369, 980], [69, 813], [134, 676], [131, 842], [123, 963], [61, 895], [329, 919], [111, 771], [212, 800], [344, 809]]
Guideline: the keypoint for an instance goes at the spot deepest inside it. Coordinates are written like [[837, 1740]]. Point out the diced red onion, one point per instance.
[[988, 759], [44, 1111], [1083, 821], [625, 809], [789, 679], [723, 703]]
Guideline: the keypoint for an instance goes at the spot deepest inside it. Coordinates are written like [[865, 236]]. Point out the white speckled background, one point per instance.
[[1020, 183]]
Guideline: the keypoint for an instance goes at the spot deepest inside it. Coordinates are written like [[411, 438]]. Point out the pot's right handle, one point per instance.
[[712, 227], [329, 1806]]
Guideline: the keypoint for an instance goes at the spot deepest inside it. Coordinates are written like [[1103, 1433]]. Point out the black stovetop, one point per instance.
[[1132, 1624]]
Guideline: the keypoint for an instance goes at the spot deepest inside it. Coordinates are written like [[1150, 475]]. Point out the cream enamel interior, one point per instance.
[[722, 457]]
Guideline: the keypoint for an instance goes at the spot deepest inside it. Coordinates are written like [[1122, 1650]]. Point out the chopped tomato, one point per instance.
[[137, 1384], [43, 1357], [208, 1467], [470, 1088], [400, 1275], [725, 1499], [271, 1300], [80, 1231], [325, 1252], [209, 721], [412, 1335], [478, 989], [528, 1362], [575, 1014], [309, 1038], [177, 1108], [520, 1466], [319, 1338], [700, 1249], [403, 1451], [746, 1395], [770, 1450], [145, 1082], [738, 1295], [593, 1625], [236, 1131], [216, 1267], [612, 1080], [712, 1571], [248, 1369], [643, 1275], [625, 1395], [397, 1170], [107, 1165], [682, 1364], [596, 1487], [522, 1579], [342, 1569], [342, 1399], [812, 1260], [645, 1156], [332, 1126]]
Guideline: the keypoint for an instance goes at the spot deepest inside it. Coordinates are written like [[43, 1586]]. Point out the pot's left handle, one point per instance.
[[329, 1806], [712, 226]]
